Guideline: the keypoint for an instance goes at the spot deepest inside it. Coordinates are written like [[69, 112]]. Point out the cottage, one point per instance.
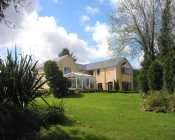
[[104, 75]]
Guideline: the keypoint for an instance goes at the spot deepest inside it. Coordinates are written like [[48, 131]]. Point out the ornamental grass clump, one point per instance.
[[20, 81]]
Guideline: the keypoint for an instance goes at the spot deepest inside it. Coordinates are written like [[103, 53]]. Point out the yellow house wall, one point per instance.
[[124, 77], [106, 75], [110, 74], [68, 62]]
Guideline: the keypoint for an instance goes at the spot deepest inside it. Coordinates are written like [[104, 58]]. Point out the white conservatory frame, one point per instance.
[[81, 81]]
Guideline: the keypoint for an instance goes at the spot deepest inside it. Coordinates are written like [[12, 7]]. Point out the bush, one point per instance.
[[172, 103], [58, 84], [18, 124], [54, 115], [155, 76], [19, 85], [19, 80], [160, 102]]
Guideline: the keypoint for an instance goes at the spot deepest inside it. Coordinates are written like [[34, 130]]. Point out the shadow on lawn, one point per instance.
[[56, 133], [75, 96]]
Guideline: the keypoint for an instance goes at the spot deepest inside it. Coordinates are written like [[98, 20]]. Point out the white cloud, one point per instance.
[[92, 10], [100, 34], [84, 19], [55, 1], [42, 37]]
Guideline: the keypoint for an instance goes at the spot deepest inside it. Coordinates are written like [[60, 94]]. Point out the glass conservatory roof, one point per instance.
[[76, 74]]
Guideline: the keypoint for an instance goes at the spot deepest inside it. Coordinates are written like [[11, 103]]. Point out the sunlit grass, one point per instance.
[[111, 117]]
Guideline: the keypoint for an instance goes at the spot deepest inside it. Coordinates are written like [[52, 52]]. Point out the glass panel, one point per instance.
[[67, 70], [73, 83]]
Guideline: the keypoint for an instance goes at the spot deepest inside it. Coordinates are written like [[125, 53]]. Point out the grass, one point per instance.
[[110, 117]]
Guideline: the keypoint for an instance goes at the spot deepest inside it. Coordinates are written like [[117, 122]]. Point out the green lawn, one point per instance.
[[111, 117]]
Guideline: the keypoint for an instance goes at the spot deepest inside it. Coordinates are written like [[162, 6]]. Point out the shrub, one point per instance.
[[51, 115], [58, 84], [155, 76], [157, 102], [172, 103], [19, 80], [18, 124], [169, 74], [20, 84]]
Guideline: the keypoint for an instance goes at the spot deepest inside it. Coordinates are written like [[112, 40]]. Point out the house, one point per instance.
[[104, 75]]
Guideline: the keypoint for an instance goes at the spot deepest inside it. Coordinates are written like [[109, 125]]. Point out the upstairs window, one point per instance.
[[98, 72], [91, 72], [67, 70], [125, 69]]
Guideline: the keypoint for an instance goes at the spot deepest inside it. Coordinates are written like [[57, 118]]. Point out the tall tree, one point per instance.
[[136, 26], [65, 51], [167, 46], [57, 82], [166, 38]]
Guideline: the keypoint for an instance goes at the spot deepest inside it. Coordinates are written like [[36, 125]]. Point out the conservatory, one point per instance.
[[81, 81]]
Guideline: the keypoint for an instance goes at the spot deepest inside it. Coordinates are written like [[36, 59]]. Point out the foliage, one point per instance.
[[58, 84], [155, 76], [172, 103], [157, 102], [143, 81], [160, 102], [166, 37], [65, 51], [169, 74], [136, 85], [167, 46], [6, 3], [52, 115], [19, 80], [18, 124], [136, 25]]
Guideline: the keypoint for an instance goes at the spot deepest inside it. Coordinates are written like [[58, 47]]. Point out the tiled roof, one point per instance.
[[102, 64]]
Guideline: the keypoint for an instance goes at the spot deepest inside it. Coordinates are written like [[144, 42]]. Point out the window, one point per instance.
[[67, 70], [91, 72], [100, 87], [110, 86], [126, 86], [98, 72], [125, 68]]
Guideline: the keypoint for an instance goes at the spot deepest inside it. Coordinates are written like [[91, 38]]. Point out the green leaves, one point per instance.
[[58, 84], [19, 80]]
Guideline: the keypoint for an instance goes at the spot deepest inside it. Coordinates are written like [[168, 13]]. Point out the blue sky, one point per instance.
[[48, 26], [68, 13]]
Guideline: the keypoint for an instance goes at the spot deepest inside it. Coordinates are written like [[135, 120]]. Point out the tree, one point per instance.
[[166, 37], [136, 26], [6, 3], [58, 84], [65, 51], [169, 74], [155, 76], [167, 46], [136, 79], [143, 81]]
